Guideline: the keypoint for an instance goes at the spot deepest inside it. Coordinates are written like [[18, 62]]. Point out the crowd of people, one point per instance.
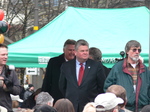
[[77, 81]]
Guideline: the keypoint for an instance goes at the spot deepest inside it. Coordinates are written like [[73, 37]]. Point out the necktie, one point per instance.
[[81, 72]]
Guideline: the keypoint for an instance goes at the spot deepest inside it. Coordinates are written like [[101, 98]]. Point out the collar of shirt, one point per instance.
[[66, 59], [78, 63]]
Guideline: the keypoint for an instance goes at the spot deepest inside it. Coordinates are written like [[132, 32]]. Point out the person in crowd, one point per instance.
[[96, 55], [133, 75], [64, 105], [42, 99], [45, 108], [146, 108], [119, 91], [107, 102], [15, 100], [89, 107], [30, 101], [21, 95], [9, 83], [51, 79], [29, 91], [81, 79]]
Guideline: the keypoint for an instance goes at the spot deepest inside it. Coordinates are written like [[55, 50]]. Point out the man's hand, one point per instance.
[[1, 78], [1, 81], [2, 84]]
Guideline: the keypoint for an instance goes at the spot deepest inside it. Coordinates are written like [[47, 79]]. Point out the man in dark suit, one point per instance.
[[96, 55], [51, 79], [92, 82]]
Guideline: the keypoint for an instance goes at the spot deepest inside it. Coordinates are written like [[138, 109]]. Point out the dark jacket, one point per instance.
[[5, 99], [27, 93], [30, 101], [51, 79], [91, 85], [118, 75], [106, 70]]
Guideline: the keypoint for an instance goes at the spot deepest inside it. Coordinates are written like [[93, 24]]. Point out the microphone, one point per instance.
[[122, 53]]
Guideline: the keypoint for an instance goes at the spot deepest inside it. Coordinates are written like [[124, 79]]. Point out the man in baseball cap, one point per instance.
[[107, 102]]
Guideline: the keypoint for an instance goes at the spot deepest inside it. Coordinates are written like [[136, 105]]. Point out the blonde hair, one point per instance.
[[89, 107]]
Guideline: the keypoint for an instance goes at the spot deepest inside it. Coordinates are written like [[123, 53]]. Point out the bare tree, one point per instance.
[[20, 13]]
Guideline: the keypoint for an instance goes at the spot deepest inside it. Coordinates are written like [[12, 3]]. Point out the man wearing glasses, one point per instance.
[[133, 75]]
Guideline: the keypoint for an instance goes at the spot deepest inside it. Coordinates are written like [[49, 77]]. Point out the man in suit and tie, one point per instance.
[[51, 79], [81, 79]]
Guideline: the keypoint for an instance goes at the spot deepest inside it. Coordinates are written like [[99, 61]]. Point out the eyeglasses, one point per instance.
[[134, 50]]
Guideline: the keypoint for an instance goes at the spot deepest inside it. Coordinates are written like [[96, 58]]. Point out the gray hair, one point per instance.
[[44, 98], [132, 43], [81, 42], [95, 53], [69, 42]]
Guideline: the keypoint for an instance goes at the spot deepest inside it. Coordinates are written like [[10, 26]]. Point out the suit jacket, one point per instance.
[[106, 70], [91, 85], [51, 79]]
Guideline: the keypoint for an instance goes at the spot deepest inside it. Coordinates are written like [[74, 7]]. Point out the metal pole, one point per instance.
[[36, 19], [35, 28], [148, 5]]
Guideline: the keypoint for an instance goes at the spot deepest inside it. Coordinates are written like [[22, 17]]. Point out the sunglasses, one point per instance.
[[134, 50]]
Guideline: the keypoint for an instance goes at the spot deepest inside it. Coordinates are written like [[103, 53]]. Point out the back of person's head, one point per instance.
[[69, 42], [89, 107], [45, 108], [146, 108], [119, 91], [107, 102], [95, 54], [64, 105], [44, 98]]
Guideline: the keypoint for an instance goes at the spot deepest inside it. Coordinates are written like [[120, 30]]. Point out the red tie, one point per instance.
[[81, 72]]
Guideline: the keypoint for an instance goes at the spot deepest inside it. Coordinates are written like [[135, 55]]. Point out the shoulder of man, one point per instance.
[[70, 62], [57, 58], [118, 64], [94, 62]]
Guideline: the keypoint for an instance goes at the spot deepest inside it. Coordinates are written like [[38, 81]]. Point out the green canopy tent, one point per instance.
[[107, 29]]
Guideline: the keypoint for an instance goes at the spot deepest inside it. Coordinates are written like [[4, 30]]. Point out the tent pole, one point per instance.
[[36, 19], [149, 47]]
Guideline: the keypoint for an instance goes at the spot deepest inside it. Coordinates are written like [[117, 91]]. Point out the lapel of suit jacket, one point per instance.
[[86, 70], [73, 70]]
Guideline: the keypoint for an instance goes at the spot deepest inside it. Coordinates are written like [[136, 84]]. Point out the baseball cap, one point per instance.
[[107, 100], [16, 98], [3, 109]]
